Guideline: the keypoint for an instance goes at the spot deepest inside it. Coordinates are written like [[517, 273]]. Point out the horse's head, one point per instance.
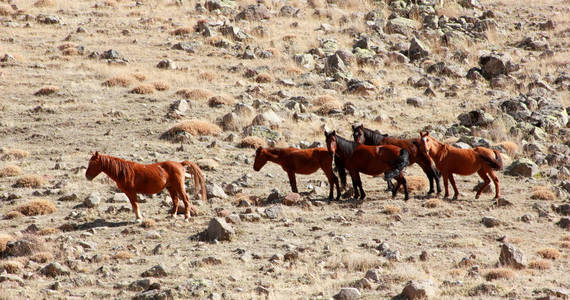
[[94, 167], [358, 133], [331, 142], [260, 159]]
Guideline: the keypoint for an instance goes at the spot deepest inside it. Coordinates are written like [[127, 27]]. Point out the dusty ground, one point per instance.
[[51, 138]]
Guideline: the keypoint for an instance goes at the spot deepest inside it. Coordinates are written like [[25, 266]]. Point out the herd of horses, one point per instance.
[[370, 152]]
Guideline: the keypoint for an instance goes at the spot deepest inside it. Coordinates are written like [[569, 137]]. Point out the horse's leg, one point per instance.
[[362, 193], [353, 176], [332, 182], [174, 197], [455, 191], [446, 183], [401, 181], [292, 181], [134, 203], [486, 182], [496, 182]]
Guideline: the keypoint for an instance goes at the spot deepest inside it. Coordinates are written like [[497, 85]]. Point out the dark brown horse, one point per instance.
[[450, 160], [370, 160], [300, 161], [133, 178], [374, 137]]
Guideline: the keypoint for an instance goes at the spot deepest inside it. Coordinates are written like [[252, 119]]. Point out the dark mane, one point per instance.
[[117, 167], [373, 137], [345, 146]]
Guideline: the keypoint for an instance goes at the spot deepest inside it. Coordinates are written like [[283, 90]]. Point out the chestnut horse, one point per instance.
[[300, 161], [133, 178], [374, 137], [370, 160], [450, 160]]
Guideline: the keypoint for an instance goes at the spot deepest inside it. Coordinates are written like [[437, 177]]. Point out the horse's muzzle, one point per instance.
[[89, 177]]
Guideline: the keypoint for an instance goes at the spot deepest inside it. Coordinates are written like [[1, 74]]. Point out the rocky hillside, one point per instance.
[[210, 81]]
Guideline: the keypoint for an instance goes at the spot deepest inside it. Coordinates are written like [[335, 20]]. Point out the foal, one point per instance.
[[301, 161], [374, 137], [370, 160], [450, 160], [133, 178]]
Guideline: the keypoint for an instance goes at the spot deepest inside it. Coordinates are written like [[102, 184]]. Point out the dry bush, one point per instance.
[[5, 10], [542, 193], [123, 255], [195, 127], [48, 231], [292, 71], [148, 223], [110, 3], [221, 100], [549, 253], [195, 94], [44, 3], [565, 244], [252, 142], [161, 85], [392, 210], [11, 266], [14, 154], [70, 52], [46, 90], [10, 170], [139, 76], [327, 108], [511, 147], [30, 181], [182, 31], [5, 239], [360, 262], [37, 207], [42, 257], [540, 264], [264, 78], [143, 89], [432, 203], [324, 99], [66, 46], [13, 215], [499, 273], [415, 183], [208, 76], [121, 80]]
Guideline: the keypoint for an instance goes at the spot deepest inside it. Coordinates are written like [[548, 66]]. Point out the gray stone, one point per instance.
[[415, 101], [166, 64], [476, 118], [490, 222], [139, 285], [111, 54], [185, 46], [373, 275], [401, 25], [334, 65], [154, 295], [305, 60], [12, 277], [156, 271], [214, 190], [250, 217], [218, 229], [511, 256], [48, 19], [522, 167], [92, 200], [470, 3], [564, 223], [54, 269], [418, 290], [417, 50], [254, 12], [493, 65], [347, 293], [19, 248], [274, 211]]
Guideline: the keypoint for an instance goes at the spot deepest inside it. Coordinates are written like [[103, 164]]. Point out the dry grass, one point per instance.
[[5, 10], [42, 257], [148, 223], [499, 273], [48, 231], [195, 94], [549, 253], [47, 90], [542, 193], [30, 181], [221, 100], [415, 183], [511, 147], [37, 207], [195, 127], [13, 215], [293, 71], [182, 31], [161, 86], [14, 154], [325, 99], [327, 108], [392, 210], [565, 244], [10, 170], [264, 78], [139, 76], [360, 262], [207, 76], [121, 80], [44, 3], [432, 203], [11, 266], [4, 239], [540, 264], [122, 255], [70, 52], [142, 89], [252, 142]]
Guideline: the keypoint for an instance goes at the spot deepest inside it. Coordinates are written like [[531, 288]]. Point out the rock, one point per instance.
[[360, 87], [207, 164], [20, 248], [401, 25], [470, 3], [54, 269], [373, 275], [335, 66], [178, 108], [268, 118], [156, 271], [185, 46], [484, 289], [254, 12], [154, 295], [476, 118], [139, 285], [522, 167], [305, 60], [418, 290], [12, 277], [548, 25], [48, 19], [250, 217], [490, 222], [348, 293], [564, 223], [417, 50], [494, 64], [415, 101], [111, 54], [362, 284], [92, 200], [563, 209], [218, 229], [260, 290], [511, 256], [292, 199], [288, 11], [214, 190], [274, 211], [531, 44], [166, 64]]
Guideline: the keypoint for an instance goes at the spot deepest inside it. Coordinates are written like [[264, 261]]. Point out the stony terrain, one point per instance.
[[209, 81]]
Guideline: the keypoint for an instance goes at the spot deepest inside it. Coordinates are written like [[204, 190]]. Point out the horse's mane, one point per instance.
[[117, 168], [373, 137], [345, 146]]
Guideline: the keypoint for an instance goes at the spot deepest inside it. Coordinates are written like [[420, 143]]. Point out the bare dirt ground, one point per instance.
[[55, 110]]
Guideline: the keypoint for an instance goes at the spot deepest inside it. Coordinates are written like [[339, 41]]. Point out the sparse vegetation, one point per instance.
[[42, 257], [161, 86], [37, 207], [499, 273], [122, 81], [4, 239], [148, 223], [11, 266], [143, 89], [432, 203], [194, 127], [30, 181], [221, 100], [207, 76], [122, 255], [10, 171], [549, 253], [12, 154], [46, 91], [540, 264], [543, 193], [252, 142], [195, 94], [392, 209]]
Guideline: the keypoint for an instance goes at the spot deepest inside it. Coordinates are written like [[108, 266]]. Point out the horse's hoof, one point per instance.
[[187, 220], [139, 221], [174, 216]]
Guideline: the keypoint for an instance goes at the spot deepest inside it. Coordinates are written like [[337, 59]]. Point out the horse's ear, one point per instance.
[[258, 149], [333, 132], [354, 127], [96, 154], [361, 126]]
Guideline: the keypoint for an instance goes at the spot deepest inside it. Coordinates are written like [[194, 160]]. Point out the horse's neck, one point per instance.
[[374, 137], [345, 146], [439, 154], [273, 154], [115, 168]]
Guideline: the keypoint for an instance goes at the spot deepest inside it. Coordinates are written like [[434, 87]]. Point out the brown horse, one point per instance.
[[300, 161], [133, 178], [371, 160], [450, 160], [374, 137]]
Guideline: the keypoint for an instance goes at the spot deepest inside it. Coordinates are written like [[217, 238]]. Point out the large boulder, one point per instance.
[[476, 118], [418, 290], [401, 25], [494, 64], [254, 12], [522, 167], [348, 293], [417, 50], [511, 256], [218, 229]]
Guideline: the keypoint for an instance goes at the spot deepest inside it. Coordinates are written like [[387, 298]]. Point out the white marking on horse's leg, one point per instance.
[[186, 220]]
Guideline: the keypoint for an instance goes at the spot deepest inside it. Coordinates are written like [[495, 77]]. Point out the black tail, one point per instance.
[[398, 165], [495, 163], [339, 163]]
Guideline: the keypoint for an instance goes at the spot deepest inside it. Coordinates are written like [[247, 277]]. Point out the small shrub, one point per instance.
[[13, 215], [182, 31], [327, 108], [42, 257], [11, 266], [499, 273], [252, 142], [549, 253], [10, 171], [48, 231], [292, 71], [415, 183], [139, 76], [207, 76], [123, 81], [122, 255], [46, 91], [540, 264], [143, 89], [432, 203], [511, 147], [161, 86], [392, 210], [360, 263], [264, 78], [70, 52], [37, 207], [194, 127], [324, 99], [148, 223], [195, 94], [221, 100], [274, 51], [4, 239], [44, 3], [14, 154], [30, 181], [542, 193], [5, 10]]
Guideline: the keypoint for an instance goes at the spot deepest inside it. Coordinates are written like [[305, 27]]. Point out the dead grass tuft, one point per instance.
[[432, 203], [121, 80], [392, 210], [143, 89], [182, 31], [252, 142], [324, 99], [139, 76], [5, 10], [46, 91], [30, 181], [264, 78], [42, 257], [195, 127], [292, 71], [511, 147], [148, 223], [5, 239], [70, 52], [549, 253], [195, 94], [542, 193], [360, 262], [44, 3], [122, 255], [565, 244], [415, 183], [11, 266], [499, 273], [13, 215], [48, 231], [161, 86], [37, 207], [207, 76], [221, 100], [327, 108], [540, 264], [14, 154], [10, 170]]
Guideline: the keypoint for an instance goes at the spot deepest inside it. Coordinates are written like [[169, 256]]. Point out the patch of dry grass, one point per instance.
[[70, 51], [415, 183], [143, 89], [293, 71], [540, 264], [5, 239], [122, 255], [42, 257], [11, 266], [511, 147], [37, 207], [360, 262], [161, 86], [499, 273], [195, 94], [264, 78], [565, 244], [220, 100], [10, 171], [182, 31], [324, 99], [148, 223], [195, 127], [5, 10], [549, 253], [139, 76], [120, 80], [13, 215], [47, 90], [542, 193], [44, 3], [30, 181], [392, 210], [252, 142], [12, 154], [432, 203], [48, 231], [207, 76], [325, 104]]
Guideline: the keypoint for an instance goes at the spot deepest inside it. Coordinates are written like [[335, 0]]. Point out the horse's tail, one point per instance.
[[339, 163], [199, 181], [398, 164], [496, 163]]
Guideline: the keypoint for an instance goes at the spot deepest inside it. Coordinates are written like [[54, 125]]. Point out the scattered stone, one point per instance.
[[484, 289], [373, 275], [490, 222], [139, 285], [401, 25], [347, 293], [11, 277], [54, 269], [415, 101], [476, 118], [92, 200], [218, 229], [185, 46], [274, 212], [166, 64], [292, 199], [522, 167], [111, 54], [48, 19], [564, 223], [255, 12], [417, 50], [563, 209], [156, 271], [418, 290], [493, 65], [20, 248], [154, 294], [214, 190], [511, 256]]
